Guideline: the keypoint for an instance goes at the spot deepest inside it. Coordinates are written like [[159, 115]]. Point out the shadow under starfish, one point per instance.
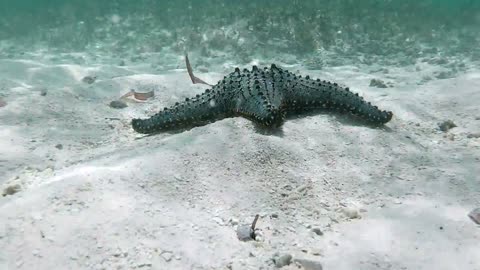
[[265, 96]]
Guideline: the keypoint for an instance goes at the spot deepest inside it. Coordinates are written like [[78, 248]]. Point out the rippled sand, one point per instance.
[[93, 194]]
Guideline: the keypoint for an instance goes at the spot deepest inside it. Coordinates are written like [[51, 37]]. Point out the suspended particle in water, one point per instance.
[[115, 18]]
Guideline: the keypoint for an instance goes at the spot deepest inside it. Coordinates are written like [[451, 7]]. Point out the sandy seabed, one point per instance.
[[90, 193]]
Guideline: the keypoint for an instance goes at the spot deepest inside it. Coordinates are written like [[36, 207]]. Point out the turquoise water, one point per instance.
[[322, 32]]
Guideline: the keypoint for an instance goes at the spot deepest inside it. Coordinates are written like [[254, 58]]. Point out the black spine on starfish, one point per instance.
[[263, 96]]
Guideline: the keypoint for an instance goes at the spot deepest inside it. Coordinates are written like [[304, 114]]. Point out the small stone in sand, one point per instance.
[[446, 125], [167, 256], [43, 92], [89, 79], [473, 135], [244, 233], [10, 190], [144, 264], [474, 215], [2, 103], [233, 221], [351, 213], [309, 264], [317, 231], [378, 83], [283, 260], [118, 104], [59, 146]]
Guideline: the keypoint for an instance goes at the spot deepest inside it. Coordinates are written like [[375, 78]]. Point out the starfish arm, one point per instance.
[[206, 107], [305, 94]]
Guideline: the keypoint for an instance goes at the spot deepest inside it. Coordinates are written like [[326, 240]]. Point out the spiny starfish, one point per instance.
[[265, 96]]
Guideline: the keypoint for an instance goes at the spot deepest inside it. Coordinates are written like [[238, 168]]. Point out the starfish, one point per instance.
[[265, 96]]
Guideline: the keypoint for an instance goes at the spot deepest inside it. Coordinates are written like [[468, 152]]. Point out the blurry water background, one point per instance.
[[314, 33]]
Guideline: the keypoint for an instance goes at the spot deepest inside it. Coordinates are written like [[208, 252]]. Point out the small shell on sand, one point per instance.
[[474, 215], [138, 95]]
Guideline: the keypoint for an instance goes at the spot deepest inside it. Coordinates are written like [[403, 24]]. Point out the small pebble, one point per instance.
[[258, 234], [43, 92], [118, 104], [167, 256], [283, 260], [316, 252], [59, 146], [351, 213], [234, 221], [474, 215], [3, 103], [89, 79], [12, 189], [473, 135], [309, 264], [218, 220], [259, 238], [317, 231], [377, 83], [446, 125], [244, 233], [144, 264]]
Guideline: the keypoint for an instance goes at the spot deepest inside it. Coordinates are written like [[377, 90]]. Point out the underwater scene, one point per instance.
[[287, 134]]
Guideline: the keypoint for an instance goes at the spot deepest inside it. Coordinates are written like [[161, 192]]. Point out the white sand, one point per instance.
[[109, 201]]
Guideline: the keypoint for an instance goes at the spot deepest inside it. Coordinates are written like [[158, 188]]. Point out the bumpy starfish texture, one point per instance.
[[264, 96]]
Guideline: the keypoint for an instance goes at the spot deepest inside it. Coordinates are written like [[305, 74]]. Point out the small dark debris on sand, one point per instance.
[[474, 215], [473, 135], [118, 104], [89, 79], [247, 232], [59, 146], [317, 231], [446, 125], [378, 83], [10, 190]]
